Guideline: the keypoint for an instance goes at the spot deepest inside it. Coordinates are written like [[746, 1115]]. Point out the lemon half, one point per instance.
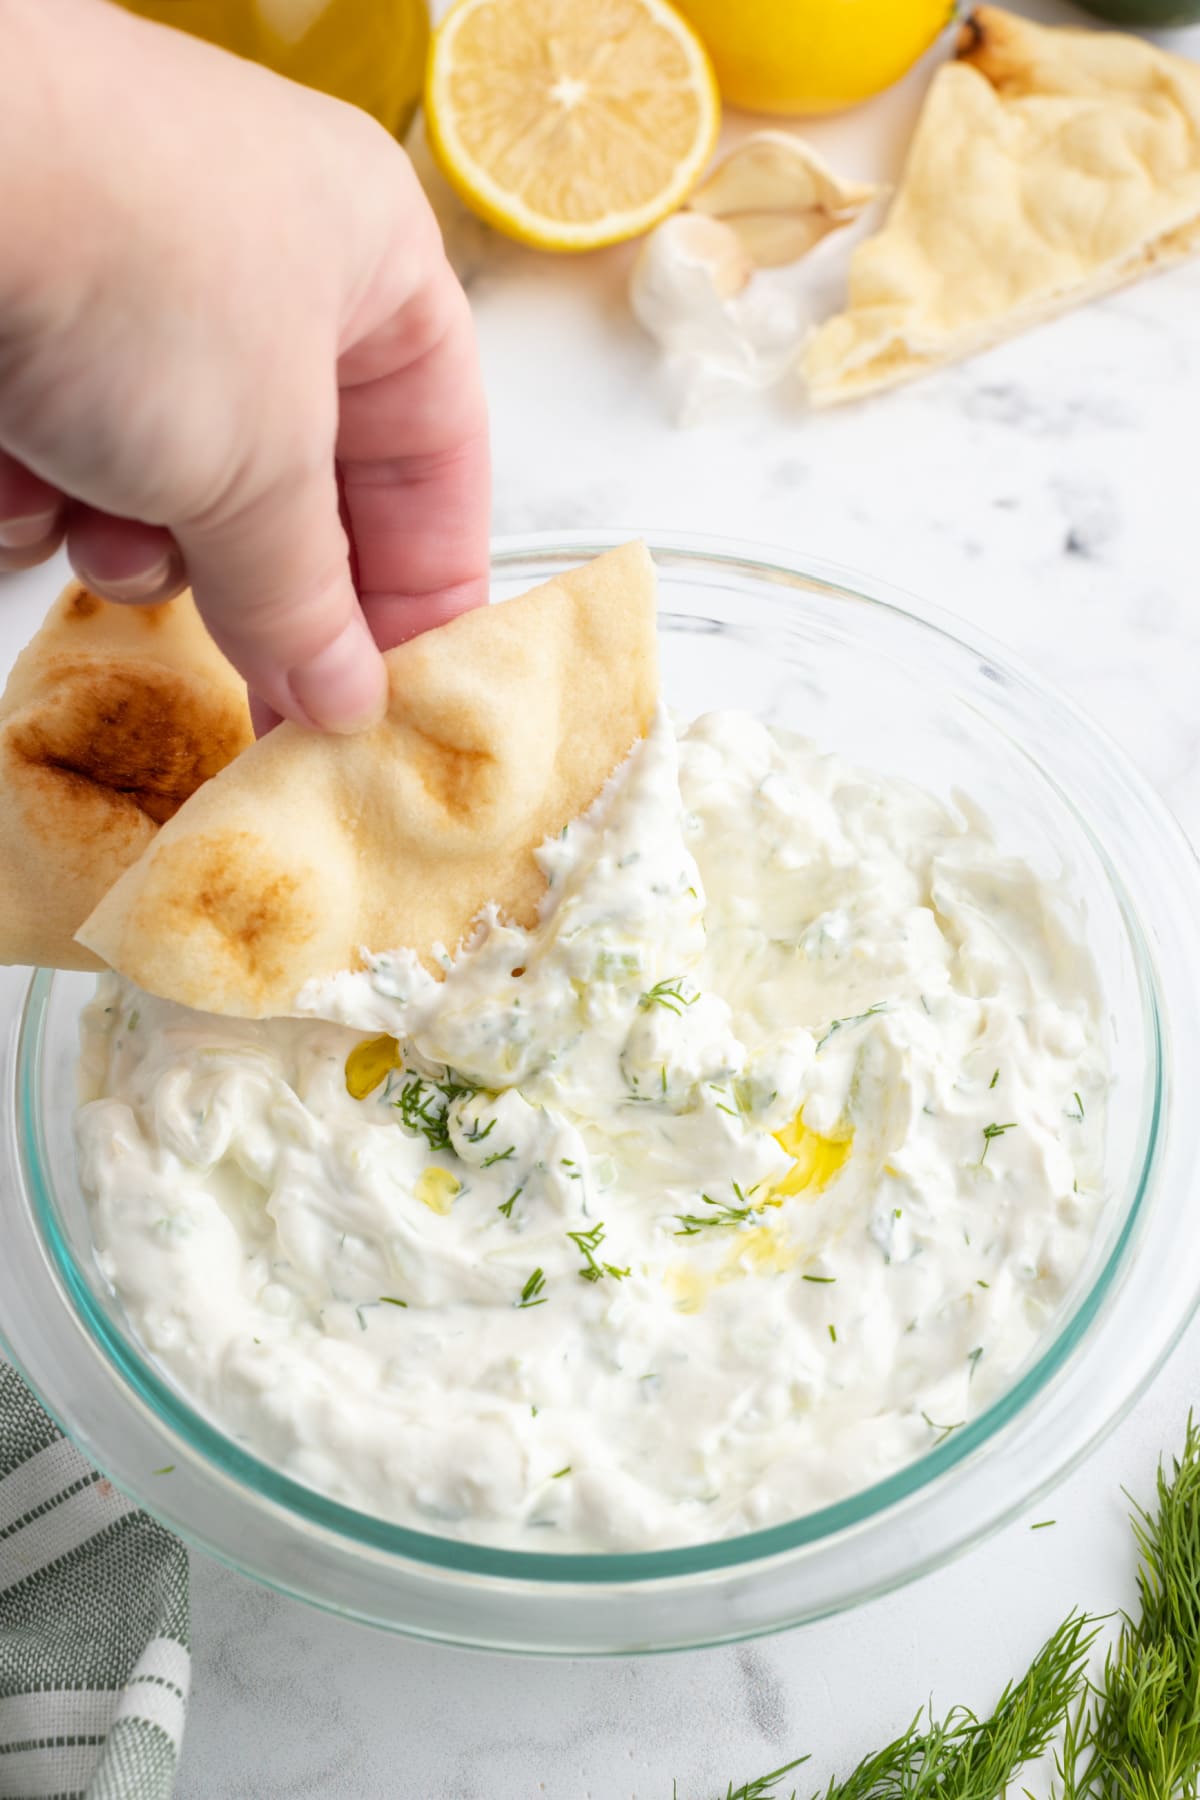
[[569, 124]]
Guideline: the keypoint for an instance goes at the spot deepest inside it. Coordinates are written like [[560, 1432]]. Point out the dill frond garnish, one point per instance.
[[506, 1206], [587, 1243], [532, 1289], [722, 1214], [836, 1025], [674, 993], [497, 1156], [424, 1106], [994, 1131], [943, 1431]]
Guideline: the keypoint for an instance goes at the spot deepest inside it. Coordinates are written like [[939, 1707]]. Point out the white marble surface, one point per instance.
[[1046, 491]]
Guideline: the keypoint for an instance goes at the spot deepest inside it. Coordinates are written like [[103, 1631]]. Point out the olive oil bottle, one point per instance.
[[1146, 13], [370, 52]]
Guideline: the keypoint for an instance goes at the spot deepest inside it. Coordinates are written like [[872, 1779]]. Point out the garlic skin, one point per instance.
[[721, 329], [779, 197], [685, 286]]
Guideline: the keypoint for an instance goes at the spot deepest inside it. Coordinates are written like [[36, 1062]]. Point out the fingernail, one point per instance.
[[145, 585], [343, 687], [19, 534]]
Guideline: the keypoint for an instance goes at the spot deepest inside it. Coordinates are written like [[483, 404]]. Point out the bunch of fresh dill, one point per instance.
[[1131, 1734]]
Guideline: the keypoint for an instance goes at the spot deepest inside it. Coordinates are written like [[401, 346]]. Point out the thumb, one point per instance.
[[272, 583]]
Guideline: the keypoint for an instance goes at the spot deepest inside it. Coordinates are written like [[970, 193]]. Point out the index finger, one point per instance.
[[415, 465], [32, 516]]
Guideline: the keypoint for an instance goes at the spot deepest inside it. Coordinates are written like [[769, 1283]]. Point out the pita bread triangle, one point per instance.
[[502, 726], [112, 716], [1048, 166]]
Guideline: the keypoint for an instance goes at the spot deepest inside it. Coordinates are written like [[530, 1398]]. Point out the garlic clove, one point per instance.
[[779, 197]]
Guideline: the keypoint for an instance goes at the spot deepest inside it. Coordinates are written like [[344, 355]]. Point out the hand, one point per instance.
[[223, 297]]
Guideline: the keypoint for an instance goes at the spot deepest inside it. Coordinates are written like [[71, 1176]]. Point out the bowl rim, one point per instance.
[[362, 1530]]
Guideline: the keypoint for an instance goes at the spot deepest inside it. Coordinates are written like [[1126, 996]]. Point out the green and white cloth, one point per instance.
[[94, 1662]]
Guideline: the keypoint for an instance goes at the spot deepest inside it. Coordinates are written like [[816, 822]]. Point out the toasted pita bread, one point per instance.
[[1048, 166], [112, 716], [502, 726]]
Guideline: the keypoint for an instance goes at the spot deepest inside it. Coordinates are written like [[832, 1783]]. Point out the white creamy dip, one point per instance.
[[757, 1167]]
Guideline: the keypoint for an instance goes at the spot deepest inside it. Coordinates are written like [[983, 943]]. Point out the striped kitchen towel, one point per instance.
[[94, 1663]]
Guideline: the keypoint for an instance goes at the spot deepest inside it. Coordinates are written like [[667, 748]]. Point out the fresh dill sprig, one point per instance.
[[1132, 1734], [995, 1079], [532, 1289], [963, 1757], [1136, 1735], [506, 1206], [587, 1243], [994, 1131], [670, 993], [836, 1025], [764, 1787], [391, 1300], [1079, 1104], [424, 1106], [761, 1789], [474, 1135]]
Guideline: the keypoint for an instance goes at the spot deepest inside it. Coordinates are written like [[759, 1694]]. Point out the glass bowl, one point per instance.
[[883, 680]]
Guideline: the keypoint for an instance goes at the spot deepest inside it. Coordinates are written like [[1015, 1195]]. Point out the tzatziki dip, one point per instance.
[[762, 1163]]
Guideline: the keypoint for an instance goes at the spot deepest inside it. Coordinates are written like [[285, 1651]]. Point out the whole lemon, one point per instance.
[[812, 56]]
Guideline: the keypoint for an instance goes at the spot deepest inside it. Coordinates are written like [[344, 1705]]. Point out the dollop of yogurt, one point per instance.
[[760, 1164]]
